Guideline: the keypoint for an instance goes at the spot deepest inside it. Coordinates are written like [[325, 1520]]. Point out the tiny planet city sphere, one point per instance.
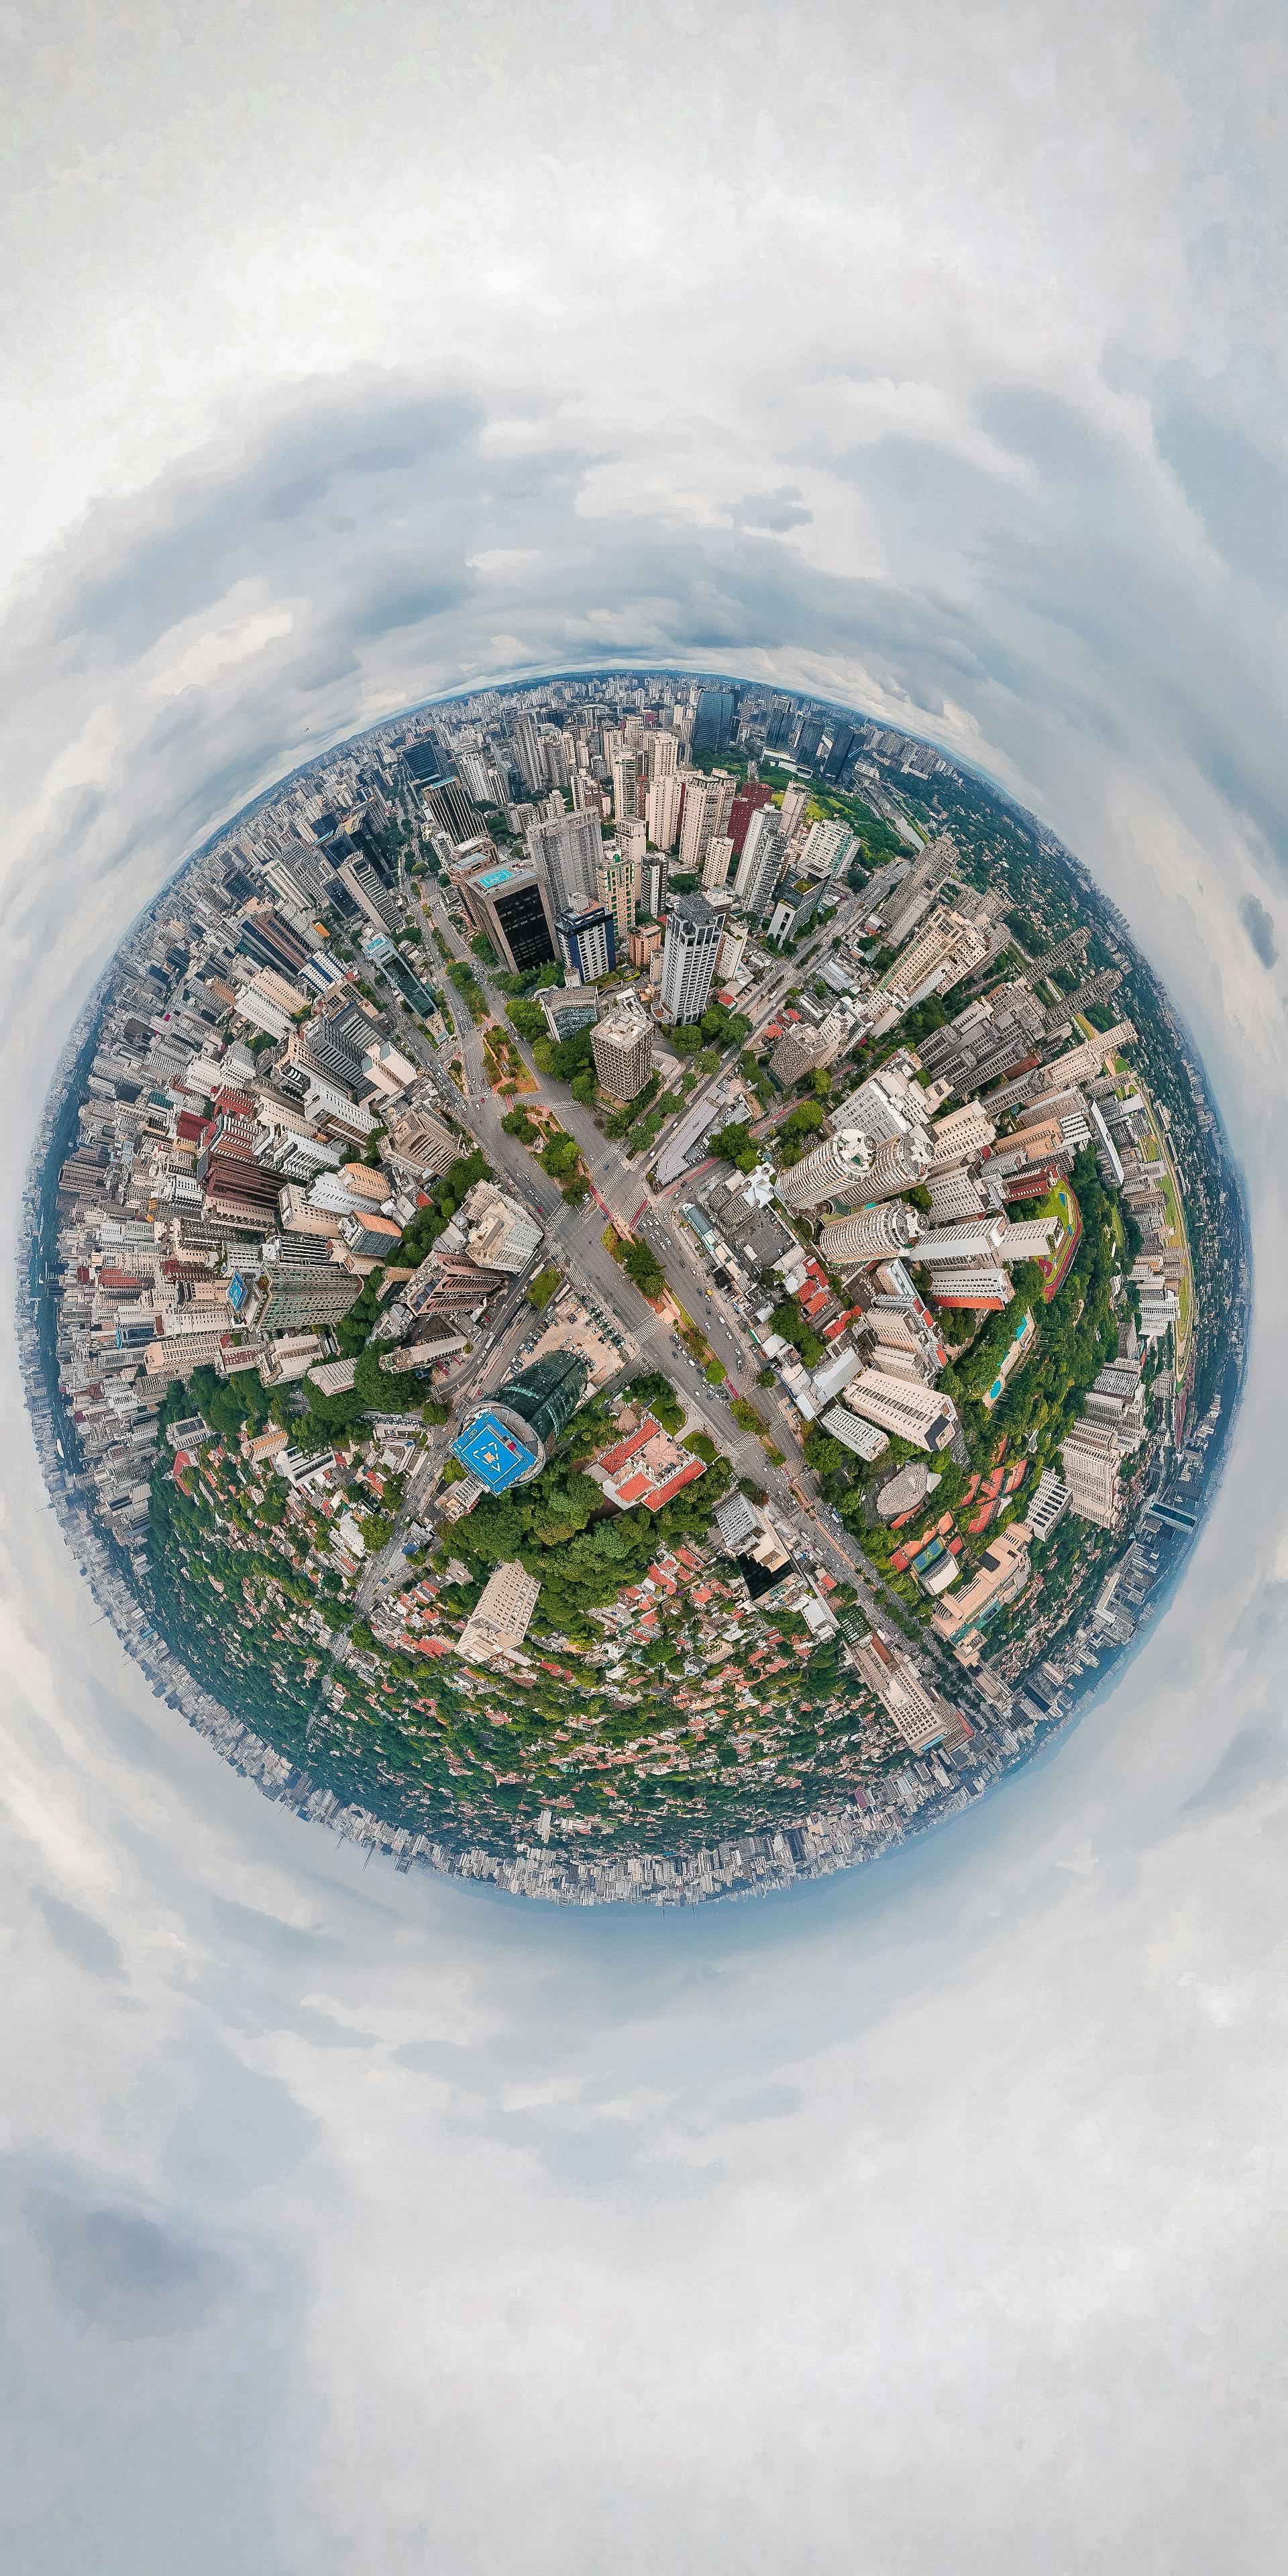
[[632, 1288]]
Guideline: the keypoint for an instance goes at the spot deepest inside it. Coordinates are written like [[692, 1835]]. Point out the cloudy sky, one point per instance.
[[931, 2218]]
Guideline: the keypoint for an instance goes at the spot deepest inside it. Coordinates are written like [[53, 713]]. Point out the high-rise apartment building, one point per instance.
[[688, 958], [761, 864], [499, 1622], [944, 949], [903, 1406], [1090, 1457], [616, 882], [809, 1047], [662, 810], [622, 1046], [707, 804], [840, 1167], [715, 866], [901, 1163], [874, 1234], [566, 850], [751, 796]]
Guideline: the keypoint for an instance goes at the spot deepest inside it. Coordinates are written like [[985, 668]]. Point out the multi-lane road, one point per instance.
[[574, 1240]]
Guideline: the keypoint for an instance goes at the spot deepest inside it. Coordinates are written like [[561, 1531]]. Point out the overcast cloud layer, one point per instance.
[[932, 2218]]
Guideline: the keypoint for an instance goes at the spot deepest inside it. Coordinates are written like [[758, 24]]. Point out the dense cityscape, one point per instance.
[[631, 1288]]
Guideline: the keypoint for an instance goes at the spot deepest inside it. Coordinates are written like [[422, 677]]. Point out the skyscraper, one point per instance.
[[566, 848], [663, 809], [840, 1166], [622, 1046], [688, 958], [901, 1163], [713, 721], [587, 941], [748, 801], [615, 884], [707, 804], [875, 1234], [715, 866], [761, 863], [505, 1441]]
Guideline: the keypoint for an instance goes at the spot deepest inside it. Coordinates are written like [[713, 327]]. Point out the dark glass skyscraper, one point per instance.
[[713, 722], [505, 1441]]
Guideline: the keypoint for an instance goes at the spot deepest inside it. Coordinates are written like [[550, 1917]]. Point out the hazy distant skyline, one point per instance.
[[935, 2215]]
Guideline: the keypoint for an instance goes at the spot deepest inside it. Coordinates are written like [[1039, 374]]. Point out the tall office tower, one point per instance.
[[372, 895], [875, 1234], [919, 888], [937, 956], [509, 901], [629, 787], [713, 719], [554, 754], [715, 866], [587, 942], [451, 810], [707, 803], [807, 1048], [566, 849], [505, 1440], [904, 1406], [794, 805], [665, 798], [663, 755], [901, 1163], [778, 724], [266, 938], [839, 1168], [622, 1046], [809, 734], [528, 753], [829, 848], [916, 1709], [688, 958], [840, 751], [615, 884]]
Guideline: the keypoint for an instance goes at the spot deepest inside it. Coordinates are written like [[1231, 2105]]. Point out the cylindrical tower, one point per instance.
[[842, 1164], [901, 1163], [875, 1234], [505, 1440]]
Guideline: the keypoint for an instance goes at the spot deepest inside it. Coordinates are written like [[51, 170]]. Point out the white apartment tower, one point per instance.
[[901, 1163], [875, 1234], [839, 1167], [902, 1405], [662, 812]]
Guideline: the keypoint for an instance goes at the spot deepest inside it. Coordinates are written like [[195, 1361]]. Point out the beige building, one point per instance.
[[622, 1046], [1090, 1457], [497, 1627], [1000, 1577]]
